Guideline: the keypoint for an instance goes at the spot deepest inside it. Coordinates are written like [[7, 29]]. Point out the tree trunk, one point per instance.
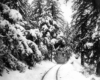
[[98, 69], [82, 58]]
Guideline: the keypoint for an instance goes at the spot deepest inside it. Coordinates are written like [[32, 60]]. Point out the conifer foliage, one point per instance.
[[30, 33], [15, 49], [86, 23]]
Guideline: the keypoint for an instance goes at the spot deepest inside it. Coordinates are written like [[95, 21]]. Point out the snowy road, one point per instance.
[[52, 73], [68, 72], [63, 72], [49, 71]]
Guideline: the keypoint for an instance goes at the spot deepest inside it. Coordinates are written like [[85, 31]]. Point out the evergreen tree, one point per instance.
[[85, 22]]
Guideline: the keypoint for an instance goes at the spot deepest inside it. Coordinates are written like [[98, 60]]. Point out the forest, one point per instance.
[[31, 33]]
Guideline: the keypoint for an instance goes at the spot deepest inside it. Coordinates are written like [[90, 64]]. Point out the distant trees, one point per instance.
[[48, 9], [51, 23]]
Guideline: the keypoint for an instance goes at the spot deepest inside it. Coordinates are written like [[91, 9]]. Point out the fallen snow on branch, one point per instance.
[[15, 15], [88, 45]]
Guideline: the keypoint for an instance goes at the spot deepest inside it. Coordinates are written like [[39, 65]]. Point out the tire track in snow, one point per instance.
[[57, 72], [48, 75], [47, 72]]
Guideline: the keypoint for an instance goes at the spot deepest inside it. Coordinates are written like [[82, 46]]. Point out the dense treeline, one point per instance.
[[15, 48], [30, 33], [33, 32]]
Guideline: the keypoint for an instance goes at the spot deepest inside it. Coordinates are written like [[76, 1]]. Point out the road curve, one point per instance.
[[52, 73]]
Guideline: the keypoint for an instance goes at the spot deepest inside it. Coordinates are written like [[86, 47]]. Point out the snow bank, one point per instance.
[[35, 74], [76, 63], [93, 77], [71, 71]]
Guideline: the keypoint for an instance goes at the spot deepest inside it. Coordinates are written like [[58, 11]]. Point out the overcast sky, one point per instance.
[[66, 9]]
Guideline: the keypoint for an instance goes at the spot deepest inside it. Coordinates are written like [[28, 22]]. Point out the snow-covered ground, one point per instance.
[[72, 70], [35, 74]]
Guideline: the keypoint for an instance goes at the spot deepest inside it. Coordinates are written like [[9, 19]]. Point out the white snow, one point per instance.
[[94, 34], [52, 74], [60, 34], [35, 33], [35, 47], [48, 34], [19, 27], [35, 74], [3, 23], [69, 71], [5, 8], [44, 27], [88, 45], [15, 15], [52, 28], [53, 41], [43, 48]]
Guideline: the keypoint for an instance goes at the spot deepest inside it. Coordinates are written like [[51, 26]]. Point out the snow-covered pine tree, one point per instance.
[[16, 51]]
